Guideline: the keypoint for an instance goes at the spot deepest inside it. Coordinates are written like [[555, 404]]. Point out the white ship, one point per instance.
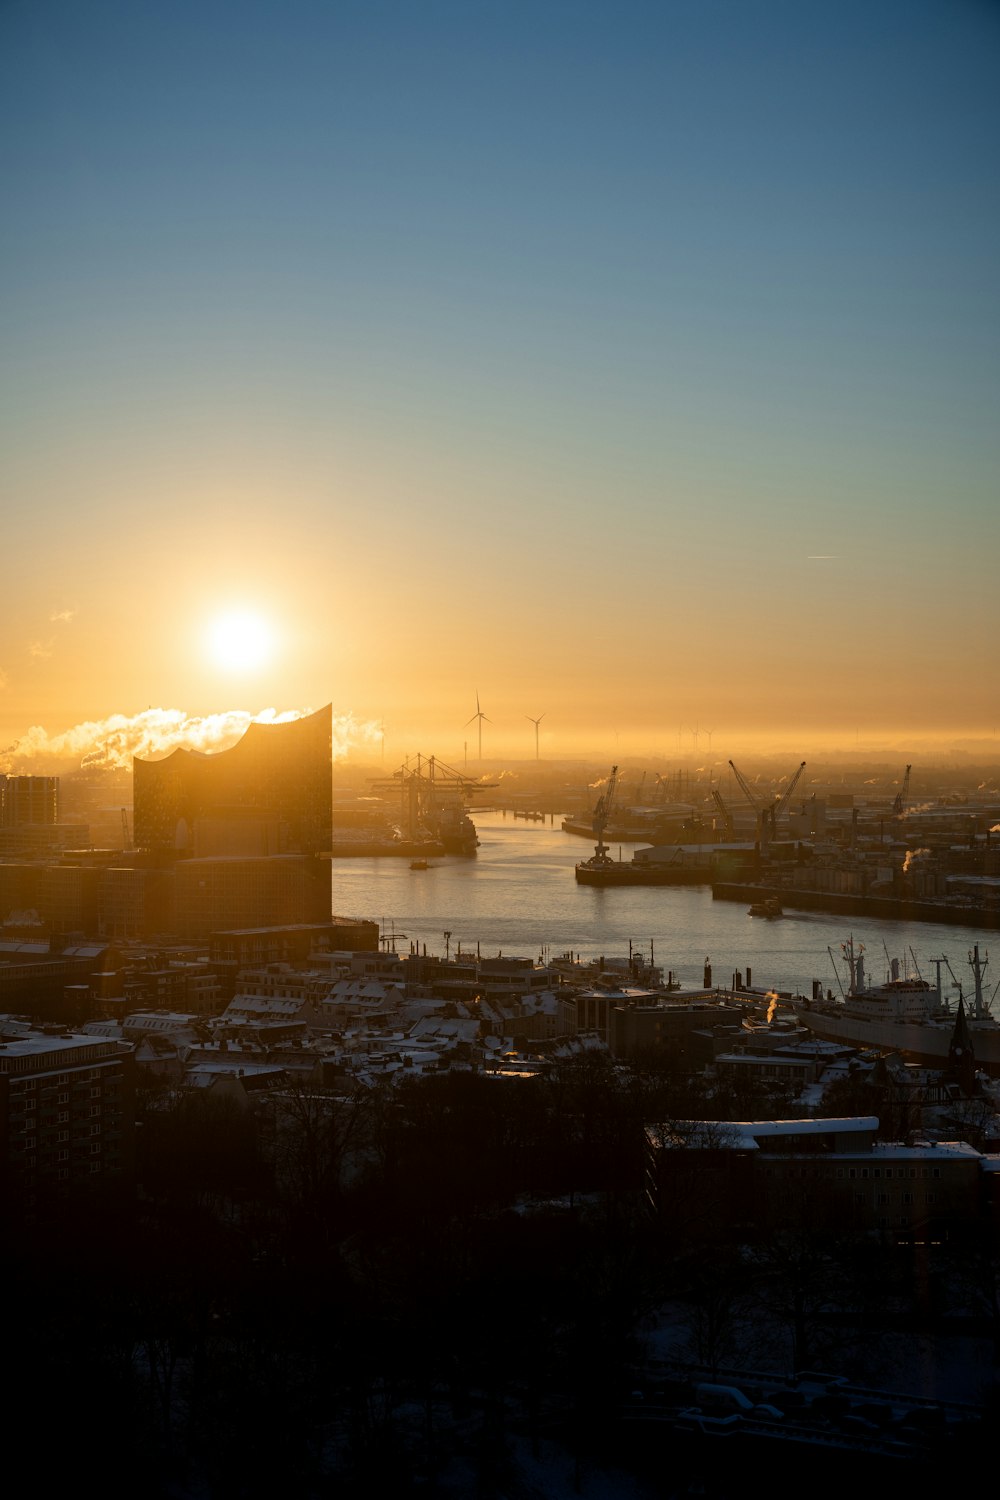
[[906, 1014]]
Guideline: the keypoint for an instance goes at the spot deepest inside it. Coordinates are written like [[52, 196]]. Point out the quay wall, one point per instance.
[[891, 908]]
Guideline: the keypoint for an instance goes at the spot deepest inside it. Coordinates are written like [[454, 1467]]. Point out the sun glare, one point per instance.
[[240, 641]]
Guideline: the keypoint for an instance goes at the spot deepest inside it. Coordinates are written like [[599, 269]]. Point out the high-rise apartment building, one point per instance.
[[67, 1114], [28, 799]]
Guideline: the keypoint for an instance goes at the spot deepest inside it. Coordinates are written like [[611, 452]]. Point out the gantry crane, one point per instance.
[[424, 787]]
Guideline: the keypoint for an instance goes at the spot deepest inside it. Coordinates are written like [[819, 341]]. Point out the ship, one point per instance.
[[681, 866], [905, 1014], [433, 806], [601, 869], [769, 907], [455, 829]]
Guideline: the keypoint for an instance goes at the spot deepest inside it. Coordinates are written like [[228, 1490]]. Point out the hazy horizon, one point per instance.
[[112, 743]]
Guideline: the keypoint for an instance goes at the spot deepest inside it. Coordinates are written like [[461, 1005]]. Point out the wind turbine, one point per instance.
[[536, 723], [480, 716]]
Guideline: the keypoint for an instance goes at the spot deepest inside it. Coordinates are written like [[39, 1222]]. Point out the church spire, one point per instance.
[[961, 1060]]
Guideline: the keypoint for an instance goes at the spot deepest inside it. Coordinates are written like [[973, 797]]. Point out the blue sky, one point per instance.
[[492, 312]]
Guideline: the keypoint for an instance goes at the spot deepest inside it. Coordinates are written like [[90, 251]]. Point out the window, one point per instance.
[[907, 1197], [883, 1198]]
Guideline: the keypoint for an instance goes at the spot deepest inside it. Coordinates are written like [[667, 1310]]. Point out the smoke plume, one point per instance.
[[912, 855], [109, 744]]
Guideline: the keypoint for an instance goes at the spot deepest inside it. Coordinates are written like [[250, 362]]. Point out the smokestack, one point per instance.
[[707, 976]]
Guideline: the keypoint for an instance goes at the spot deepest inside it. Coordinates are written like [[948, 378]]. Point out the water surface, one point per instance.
[[518, 896]]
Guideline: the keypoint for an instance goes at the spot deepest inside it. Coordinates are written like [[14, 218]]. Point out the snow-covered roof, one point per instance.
[[261, 1005], [751, 1135]]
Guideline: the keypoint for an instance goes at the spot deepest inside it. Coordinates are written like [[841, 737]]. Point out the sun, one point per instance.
[[241, 641]]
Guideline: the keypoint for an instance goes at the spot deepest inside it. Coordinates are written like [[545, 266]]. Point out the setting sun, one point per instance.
[[240, 641]]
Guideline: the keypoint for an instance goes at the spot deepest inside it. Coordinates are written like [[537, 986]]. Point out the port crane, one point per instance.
[[899, 801], [785, 796], [602, 816], [727, 817], [767, 812]]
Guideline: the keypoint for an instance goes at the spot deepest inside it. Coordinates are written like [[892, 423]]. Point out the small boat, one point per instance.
[[419, 864], [770, 907]]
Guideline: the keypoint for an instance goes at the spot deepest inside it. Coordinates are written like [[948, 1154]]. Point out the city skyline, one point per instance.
[[637, 366]]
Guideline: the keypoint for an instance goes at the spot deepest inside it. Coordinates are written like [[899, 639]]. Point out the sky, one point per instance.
[[632, 365]]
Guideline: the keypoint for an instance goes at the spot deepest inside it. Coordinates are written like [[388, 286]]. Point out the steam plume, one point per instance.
[[109, 744]]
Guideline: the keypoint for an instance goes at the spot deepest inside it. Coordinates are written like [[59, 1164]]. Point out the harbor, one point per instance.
[[519, 897]]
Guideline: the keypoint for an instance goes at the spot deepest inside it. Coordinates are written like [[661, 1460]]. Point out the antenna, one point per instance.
[[480, 716], [536, 723]]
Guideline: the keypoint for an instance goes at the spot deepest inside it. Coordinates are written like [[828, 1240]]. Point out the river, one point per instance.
[[518, 896]]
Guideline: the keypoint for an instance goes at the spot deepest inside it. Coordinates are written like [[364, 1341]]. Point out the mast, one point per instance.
[[979, 1009]]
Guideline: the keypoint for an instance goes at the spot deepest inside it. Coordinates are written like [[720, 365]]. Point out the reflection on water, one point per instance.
[[518, 896]]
